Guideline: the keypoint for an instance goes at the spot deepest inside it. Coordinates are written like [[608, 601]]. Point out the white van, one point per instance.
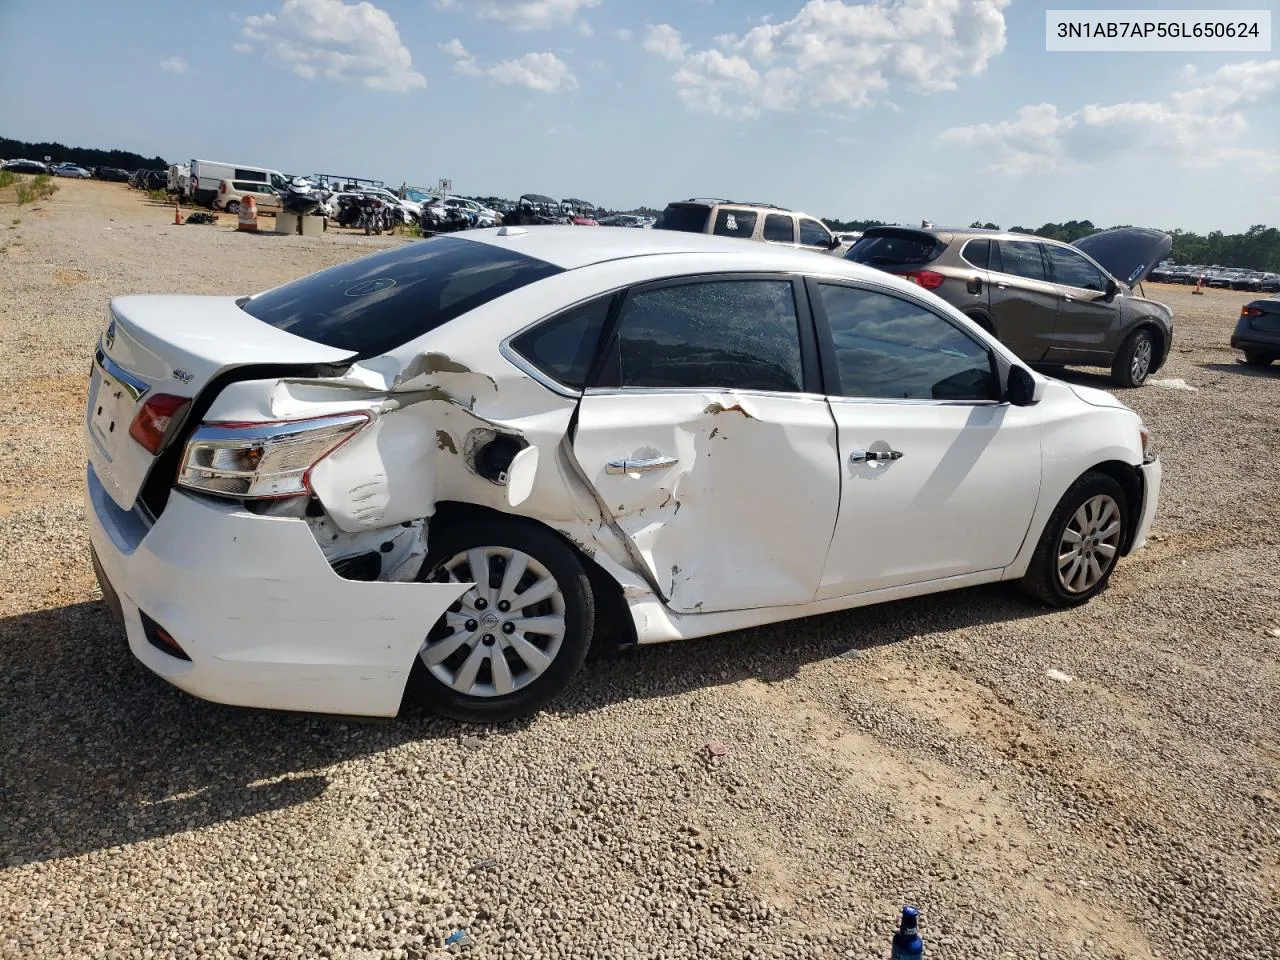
[[179, 178], [207, 175]]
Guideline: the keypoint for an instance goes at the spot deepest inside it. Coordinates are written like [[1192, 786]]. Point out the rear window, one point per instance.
[[896, 247], [688, 219], [377, 303]]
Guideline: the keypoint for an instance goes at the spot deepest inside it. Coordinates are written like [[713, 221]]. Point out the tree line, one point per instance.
[[83, 156]]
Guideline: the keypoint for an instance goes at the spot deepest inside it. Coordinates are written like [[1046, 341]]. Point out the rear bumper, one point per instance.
[[1247, 337], [257, 608], [1152, 472]]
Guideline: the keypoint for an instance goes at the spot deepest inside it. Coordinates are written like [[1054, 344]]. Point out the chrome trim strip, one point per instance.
[[137, 388], [520, 362]]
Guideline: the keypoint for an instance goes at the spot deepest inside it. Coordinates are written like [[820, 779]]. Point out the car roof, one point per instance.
[[572, 247]]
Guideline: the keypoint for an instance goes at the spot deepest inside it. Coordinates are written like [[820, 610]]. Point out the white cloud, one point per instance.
[[173, 65], [524, 14], [1197, 126], [623, 33], [664, 40], [836, 53], [339, 41], [538, 71]]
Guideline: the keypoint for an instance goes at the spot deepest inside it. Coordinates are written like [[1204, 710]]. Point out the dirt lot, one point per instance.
[[1132, 812]]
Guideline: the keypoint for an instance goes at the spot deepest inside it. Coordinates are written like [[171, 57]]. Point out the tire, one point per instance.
[[233, 207], [1060, 582], [1135, 359], [439, 679], [1256, 358]]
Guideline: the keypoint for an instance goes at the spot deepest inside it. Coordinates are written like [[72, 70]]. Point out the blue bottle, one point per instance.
[[907, 944]]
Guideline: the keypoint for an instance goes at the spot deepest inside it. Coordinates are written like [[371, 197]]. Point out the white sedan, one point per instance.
[[453, 466]]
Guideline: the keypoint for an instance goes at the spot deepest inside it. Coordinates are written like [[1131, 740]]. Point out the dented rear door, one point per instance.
[[705, 448]]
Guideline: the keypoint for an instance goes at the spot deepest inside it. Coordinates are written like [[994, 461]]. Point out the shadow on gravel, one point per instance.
[[1265, 373], [96, 752]]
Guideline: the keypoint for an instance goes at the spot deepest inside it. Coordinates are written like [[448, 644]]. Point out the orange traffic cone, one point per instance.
[[177, 212], [1199, 284]]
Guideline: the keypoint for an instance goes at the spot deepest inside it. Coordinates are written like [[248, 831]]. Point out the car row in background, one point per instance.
[[1226, 278]]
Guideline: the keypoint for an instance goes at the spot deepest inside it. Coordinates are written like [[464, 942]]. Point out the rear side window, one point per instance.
[[688, 219], [723, 334], [778, 228], [254, 175], [735, 223], [1022, 259], [976, 252], [898, 247], [377, 303], [564, 346]]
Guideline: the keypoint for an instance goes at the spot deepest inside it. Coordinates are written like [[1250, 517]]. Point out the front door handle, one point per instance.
[[874, 456], [639, 466]]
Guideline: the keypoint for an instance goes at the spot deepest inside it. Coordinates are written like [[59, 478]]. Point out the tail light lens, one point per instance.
[[156, 420], [1249, 310], [929, 279], [257, 461]]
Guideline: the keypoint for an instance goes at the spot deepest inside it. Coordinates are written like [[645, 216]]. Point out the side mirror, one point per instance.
[[1022, 389], [1112, 289], [834, 244]]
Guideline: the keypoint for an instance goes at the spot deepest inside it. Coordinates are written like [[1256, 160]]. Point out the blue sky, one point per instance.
[[899, 110]]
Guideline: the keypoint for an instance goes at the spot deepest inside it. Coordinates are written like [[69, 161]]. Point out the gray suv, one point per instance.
[[1049, 302]]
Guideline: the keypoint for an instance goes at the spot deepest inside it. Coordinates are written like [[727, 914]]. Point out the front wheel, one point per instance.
[[1135, 360], [233, 207], [516, 639], [1080, 544], [1256, 358]]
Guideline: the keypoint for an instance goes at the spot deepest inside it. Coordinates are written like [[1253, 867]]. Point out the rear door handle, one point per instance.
[[874, 456], [639, 466]]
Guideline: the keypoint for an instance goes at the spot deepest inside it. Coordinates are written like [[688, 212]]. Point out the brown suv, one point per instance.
[[750, 221], [1050, 302]]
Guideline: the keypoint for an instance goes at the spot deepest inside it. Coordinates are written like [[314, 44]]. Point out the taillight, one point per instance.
[[156, 419], [257, 461], [928, 279], [1249, 310]]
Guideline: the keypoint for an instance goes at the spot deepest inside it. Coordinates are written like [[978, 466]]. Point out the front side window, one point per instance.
[[890, 348], [1022, 259], [735, 223], [380, 302], [723, 334], [1072, 270], [779, 228], [813, 234], [564, 346]]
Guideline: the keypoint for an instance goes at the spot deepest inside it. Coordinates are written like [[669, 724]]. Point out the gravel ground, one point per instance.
[[1132, 812]]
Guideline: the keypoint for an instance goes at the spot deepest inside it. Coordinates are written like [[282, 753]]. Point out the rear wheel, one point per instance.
[[1135, 360], [1080, 544], [1256, 358], [516, 639]]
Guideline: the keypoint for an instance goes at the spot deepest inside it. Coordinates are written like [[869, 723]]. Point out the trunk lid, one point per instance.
[[1127, 253], [171, 345]]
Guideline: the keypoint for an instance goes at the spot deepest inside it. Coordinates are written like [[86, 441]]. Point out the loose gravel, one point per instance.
[[1093, 783]]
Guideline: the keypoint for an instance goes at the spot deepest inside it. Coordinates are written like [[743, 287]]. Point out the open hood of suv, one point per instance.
[[1127, 253]]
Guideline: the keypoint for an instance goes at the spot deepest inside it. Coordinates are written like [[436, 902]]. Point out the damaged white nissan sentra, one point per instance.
[[450, 467]]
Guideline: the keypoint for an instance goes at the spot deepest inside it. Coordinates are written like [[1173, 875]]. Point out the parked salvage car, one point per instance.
[[457, 464], [70, 170], [1049, 302], [750, 221], [113, 174], [26, 166], [1257, 332], [231, 194]]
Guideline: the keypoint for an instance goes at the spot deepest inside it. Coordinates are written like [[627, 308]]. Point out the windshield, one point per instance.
[[380, 302]]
